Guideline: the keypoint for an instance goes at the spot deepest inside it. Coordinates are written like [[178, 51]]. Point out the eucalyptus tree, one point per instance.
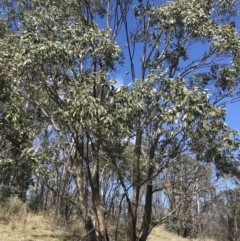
[[50, 81], [59, 65]]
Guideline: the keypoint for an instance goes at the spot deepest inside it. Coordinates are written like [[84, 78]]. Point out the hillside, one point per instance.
[[24, 226]]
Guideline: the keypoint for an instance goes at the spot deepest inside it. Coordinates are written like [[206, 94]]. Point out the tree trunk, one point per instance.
[[131, 225], [90, 234], [99, 211], [86, 220], [97, 201], [132, 211], [147, 209], [148, 199]]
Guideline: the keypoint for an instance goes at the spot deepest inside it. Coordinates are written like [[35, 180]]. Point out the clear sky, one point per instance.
[[233, 110], [233, 116]]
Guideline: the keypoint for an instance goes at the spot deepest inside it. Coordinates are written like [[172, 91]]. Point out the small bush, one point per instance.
[[173, 225], [15, 206], [176, 225], [7, 192], [13, 211], [35, 203]]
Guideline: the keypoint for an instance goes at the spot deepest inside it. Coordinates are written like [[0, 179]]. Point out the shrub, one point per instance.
[[7, 192], [15, 206], [178, 226], [35, 203]]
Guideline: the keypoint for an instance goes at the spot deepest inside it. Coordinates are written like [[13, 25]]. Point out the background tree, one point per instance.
[[190, 181], [223, 209]]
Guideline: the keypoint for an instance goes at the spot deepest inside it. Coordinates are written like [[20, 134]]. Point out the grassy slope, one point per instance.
[[30, 227], [159, 234]]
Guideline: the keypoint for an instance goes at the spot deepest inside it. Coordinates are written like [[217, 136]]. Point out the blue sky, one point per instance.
[[233, 110], [233, 116]]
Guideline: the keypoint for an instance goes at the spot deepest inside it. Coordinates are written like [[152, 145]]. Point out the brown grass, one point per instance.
[[30, 228], [18, 224], [160, 234]]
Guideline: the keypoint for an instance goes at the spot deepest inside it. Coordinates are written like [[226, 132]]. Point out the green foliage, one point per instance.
[[7, 193], [35, 204], [54, 84], [180, 227]]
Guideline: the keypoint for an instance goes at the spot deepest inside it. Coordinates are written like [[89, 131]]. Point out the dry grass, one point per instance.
[[160, 234], [17, 224], [157, 234], [30, 228]]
